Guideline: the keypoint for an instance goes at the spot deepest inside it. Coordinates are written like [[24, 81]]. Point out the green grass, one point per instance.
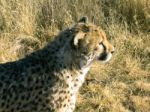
[[123, 84]]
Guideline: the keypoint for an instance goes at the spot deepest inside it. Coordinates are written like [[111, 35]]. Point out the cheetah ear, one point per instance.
[[78, 37], [83, 20]]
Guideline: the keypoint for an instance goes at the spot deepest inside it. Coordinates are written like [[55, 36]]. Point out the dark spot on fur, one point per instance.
[[43, 105], [81, 72], [7, 82], [33, 70], [31, 88], [7, 106], [42, 82], [67, 77], [36, 88], [2, 77], [65, 66], [22, 97], [30, 79], [65, 105], [47, 101], [46, 89], [15, 98], [67, 85], [66, 97], [1, 85], [77, 80], [25, 106], [40, 92], [75, 85], [37, 81], [12, 110], [61, 91], [47, 70], [49, 78], [4, 91], [39, 99], [2, 104], [60, 99], [68, 91], [4, 97]]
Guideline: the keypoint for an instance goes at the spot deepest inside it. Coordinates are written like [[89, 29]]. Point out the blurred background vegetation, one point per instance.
[[123, 85]]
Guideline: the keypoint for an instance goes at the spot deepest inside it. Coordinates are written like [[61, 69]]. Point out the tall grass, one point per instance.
[[123, 85], [29, 16]]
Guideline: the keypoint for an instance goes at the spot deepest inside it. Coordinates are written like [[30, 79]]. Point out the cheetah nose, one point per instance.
[[113, 50]]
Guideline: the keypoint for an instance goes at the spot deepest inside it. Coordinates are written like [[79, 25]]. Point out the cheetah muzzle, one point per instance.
[[48, 80]]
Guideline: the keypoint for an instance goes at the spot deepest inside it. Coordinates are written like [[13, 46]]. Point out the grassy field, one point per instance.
[[123, 84]]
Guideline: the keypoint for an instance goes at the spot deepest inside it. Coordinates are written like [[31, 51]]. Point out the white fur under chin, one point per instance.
[[84, 69]]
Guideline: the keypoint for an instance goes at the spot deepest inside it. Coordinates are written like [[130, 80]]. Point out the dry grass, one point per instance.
[[123, 85]]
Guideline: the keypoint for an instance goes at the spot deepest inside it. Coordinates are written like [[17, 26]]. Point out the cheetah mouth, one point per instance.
[[105, 57]]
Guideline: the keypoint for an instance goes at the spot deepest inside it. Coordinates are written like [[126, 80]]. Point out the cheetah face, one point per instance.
[[104, 48], [91, 42], [106, 55]]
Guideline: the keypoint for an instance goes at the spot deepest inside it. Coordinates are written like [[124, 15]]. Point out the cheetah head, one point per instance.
[[90, 43]]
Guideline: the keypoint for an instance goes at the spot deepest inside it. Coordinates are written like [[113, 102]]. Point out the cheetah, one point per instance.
[[48, 79]]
